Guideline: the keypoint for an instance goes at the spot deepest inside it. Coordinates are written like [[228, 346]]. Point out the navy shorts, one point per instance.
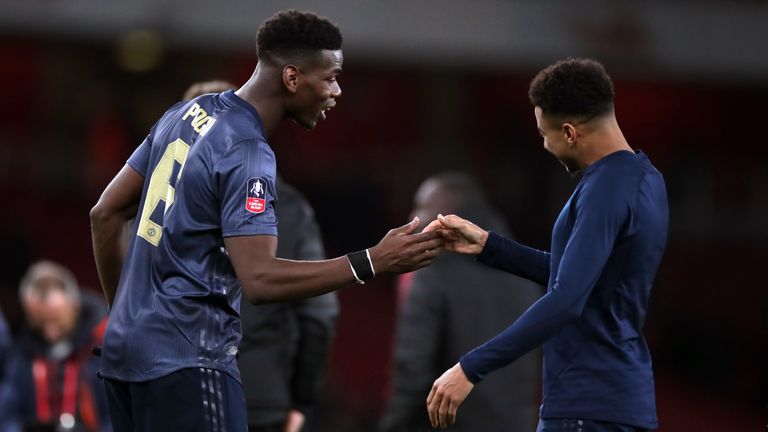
[[583, 425], [188, 400]]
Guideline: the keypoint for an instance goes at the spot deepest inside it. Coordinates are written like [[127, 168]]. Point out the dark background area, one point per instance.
[[71, 113]]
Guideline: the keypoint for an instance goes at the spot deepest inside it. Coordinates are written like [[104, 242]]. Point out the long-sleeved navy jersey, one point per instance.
[[607, 244]]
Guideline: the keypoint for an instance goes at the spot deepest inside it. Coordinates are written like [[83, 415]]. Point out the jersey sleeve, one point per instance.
[[246, 187], [139, 160], [601, 211], [510, 256]]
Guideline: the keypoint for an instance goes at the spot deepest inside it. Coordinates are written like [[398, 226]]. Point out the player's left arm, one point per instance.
[[117, 204], [601, 210]]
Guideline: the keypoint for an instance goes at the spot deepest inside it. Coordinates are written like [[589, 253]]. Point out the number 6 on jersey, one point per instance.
[[162, 187]]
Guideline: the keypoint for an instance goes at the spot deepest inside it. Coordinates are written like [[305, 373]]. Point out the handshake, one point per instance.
[[402, 250], [459, 235]]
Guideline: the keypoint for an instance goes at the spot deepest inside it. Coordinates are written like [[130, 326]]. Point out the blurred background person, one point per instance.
[[284, 351], [451, 307], [50, 376]]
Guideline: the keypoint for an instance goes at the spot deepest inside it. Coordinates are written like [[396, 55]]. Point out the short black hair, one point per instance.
[[292, 31], [577, 87]]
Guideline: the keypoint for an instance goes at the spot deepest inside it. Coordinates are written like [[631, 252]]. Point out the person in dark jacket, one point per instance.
[[50, 375], [283, 355], [451, 307]]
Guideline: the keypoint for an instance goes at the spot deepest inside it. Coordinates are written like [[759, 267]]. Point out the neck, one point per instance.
[[604, 139], [261, 92]]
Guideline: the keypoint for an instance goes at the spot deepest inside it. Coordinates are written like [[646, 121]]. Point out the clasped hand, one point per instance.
[[403, 250], [459, 235]]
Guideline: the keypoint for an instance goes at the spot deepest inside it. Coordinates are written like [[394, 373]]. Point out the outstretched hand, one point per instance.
[[459, 235], [447, 394], [402, 251]]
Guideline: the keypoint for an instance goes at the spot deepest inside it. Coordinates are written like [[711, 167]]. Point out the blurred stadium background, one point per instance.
[[428, 85]]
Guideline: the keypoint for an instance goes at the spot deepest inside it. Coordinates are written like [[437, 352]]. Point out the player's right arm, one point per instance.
[[117, 204], [462, 236], [266, 278]]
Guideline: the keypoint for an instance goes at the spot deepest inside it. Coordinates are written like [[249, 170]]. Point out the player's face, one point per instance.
[[318, 89], [555, 140]]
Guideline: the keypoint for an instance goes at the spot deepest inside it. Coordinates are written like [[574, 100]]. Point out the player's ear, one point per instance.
[[291, 78], [570, 134]]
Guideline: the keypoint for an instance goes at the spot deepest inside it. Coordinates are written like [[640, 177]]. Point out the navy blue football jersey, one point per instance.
[[209, 174]]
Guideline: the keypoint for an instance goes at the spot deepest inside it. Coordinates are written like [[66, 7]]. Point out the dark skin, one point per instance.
[[302, 89], [118, 204]]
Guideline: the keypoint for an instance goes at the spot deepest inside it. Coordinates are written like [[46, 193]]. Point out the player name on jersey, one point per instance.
[[201, 121]]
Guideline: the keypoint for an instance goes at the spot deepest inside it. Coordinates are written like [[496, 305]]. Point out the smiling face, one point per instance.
[[316, 88]]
